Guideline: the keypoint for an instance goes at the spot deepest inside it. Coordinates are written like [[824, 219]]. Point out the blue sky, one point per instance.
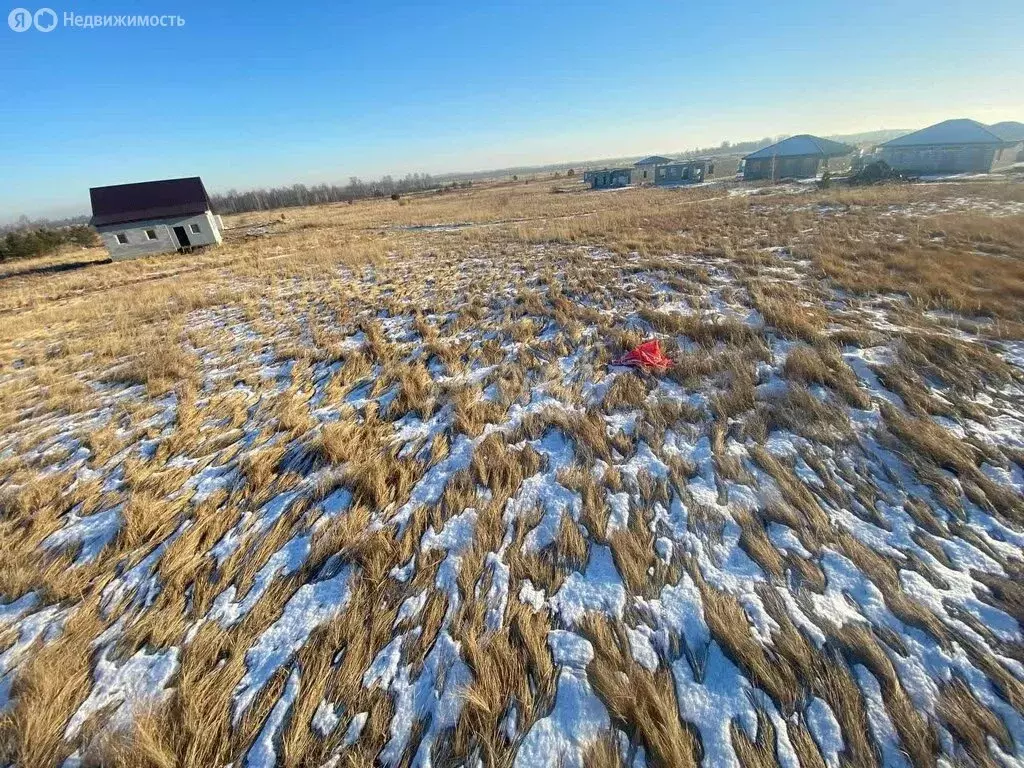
[[259, 93]]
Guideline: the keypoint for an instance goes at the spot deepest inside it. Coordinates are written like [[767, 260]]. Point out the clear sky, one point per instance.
[[259, 93]]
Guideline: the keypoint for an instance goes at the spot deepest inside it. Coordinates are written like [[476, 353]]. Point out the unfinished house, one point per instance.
[[153, 217], [644, 170], [607, 178], [1012, 131], [798, 157], [683, 172], [952, 146]]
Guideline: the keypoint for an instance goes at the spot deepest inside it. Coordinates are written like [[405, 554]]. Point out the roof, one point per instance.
[[654, 160], [959, 131], [804, 144], [123, 203], [1009, 130]]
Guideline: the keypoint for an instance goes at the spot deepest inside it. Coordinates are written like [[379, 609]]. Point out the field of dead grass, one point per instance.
[[362, 486]]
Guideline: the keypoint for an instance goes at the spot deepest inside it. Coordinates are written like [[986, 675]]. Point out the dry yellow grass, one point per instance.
[[430, 411], [823, 365], [971, 722], [647, 706]]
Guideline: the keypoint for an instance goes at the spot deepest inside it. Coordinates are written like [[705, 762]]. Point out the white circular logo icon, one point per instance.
[[45, 19], [20, 19]]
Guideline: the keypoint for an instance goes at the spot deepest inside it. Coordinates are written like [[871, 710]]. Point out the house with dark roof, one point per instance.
[[798, 157], [644, 170], [153, 217], [952, 146]]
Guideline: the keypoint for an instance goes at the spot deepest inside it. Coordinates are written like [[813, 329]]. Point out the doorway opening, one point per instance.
[[182, 237]]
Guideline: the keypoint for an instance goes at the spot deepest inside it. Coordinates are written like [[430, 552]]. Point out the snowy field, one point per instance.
[[362, 487]]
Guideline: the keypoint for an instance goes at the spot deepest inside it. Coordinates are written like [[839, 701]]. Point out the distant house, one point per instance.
[[655, 169], [644, 169], [798, 157], [952, 146], [607, 178], [1011, 131], [154, 217], [683, 172]]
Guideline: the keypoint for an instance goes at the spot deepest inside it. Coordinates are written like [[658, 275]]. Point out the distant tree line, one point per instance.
[[233, 201], [24, 222], [739, 148], [42, 241]]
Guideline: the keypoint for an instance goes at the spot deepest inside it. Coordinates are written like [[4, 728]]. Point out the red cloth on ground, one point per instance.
[[648, 356]]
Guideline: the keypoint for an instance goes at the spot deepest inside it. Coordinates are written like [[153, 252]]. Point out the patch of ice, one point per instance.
[[531, 596], [265, 516], [126, 686], [714, 702], [140, 581], [12, 611], [44, 624], [430, 487], [209, 480], [881, 726], [435, 698], [569, 649], [600, 588], [228, 611], [497, 595], [325, 719], [641, 647], [310, 606], [403, 573], [577, 720], [825, 730], [664, 546], [618, 511], [92, 533], [263, 753], [355, 729], [411, 607], [336, 503]]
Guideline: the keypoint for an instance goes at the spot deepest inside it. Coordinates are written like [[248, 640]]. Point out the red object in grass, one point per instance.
[[648, 356]]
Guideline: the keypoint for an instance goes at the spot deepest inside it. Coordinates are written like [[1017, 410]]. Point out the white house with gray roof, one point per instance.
[[952, 146]]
